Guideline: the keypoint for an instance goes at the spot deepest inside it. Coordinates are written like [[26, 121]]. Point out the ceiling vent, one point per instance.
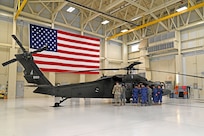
[[162, 47], [163, 42]]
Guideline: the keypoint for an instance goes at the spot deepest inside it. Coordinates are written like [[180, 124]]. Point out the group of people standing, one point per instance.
[[146, 94], [140, 94]]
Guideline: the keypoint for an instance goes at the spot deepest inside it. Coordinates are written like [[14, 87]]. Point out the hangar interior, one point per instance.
[[150, 31], [155, 34]]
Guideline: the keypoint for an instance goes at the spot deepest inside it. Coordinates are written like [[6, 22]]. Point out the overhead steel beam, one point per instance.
[[157, 21], [97, 11], [37, 1], [110, 6], [20, 8], [60, 7], [55, 12], [146, 10], [197, 11], [166, 4]]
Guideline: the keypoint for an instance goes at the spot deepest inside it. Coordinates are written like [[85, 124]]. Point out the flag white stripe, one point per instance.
[[63, 67], [65, 61], [78, 44], [77, 38], [78, 50]]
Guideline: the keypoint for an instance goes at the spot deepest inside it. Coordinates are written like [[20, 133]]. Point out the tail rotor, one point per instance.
[[26, 54], [9, 62], [19, 43]]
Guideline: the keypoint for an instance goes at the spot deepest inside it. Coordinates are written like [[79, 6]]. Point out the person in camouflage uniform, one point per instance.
[[123, 97], [149, 95], [117, 90]]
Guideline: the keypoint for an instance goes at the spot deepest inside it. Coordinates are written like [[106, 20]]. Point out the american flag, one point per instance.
[[67, 52]]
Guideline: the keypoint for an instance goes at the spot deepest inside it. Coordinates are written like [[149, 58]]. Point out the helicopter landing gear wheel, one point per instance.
[[56, 105], [58, 101]]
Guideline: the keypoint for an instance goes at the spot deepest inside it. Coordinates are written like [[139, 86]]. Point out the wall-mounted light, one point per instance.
[[181, 8], [105, 22], [70, 9]]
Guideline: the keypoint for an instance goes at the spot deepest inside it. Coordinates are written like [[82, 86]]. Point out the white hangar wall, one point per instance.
[[165, 63], [181, 52], [6, 29], [112, 52], [192, 45], [114, 57]]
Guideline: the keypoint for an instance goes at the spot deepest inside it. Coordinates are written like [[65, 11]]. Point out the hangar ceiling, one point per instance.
[[121, 14]]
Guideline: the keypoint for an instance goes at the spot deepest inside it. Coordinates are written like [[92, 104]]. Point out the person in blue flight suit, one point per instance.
[[144, 91], [135, 94], [159, 92], [154, 94]]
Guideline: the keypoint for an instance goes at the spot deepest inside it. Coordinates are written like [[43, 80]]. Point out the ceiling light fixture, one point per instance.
[[124, 30], [70, 9], [181, 9], [105, 22], [136, 18]]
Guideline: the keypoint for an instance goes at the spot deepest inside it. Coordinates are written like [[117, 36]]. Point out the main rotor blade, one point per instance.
[[175, 73], [39, 50], [9, 62], [91, 70], [19, 43], [109, 69], [133, 64], [130, 67]]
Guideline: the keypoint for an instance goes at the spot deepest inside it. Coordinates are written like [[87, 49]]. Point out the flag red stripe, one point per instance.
[[76, 53], [65, 58], [63, 64], [75, 47], [75, 41], [77, 35], [68, 71]]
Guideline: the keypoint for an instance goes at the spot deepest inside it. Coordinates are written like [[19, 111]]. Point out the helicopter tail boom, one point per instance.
[[48, 90]]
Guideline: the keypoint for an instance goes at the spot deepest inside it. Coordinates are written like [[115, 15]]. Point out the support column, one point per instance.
[[179, 62], [144, 59], [12, 69], [124, 52], [12, 74], [105, 44], [82, 78]]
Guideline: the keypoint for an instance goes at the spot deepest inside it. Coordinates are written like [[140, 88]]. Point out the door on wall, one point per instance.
[[19, 89]]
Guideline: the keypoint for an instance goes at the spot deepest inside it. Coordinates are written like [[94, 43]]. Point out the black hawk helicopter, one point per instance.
[[101, 88]]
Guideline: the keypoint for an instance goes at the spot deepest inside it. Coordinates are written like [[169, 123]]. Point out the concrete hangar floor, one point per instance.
[[98, 117]]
